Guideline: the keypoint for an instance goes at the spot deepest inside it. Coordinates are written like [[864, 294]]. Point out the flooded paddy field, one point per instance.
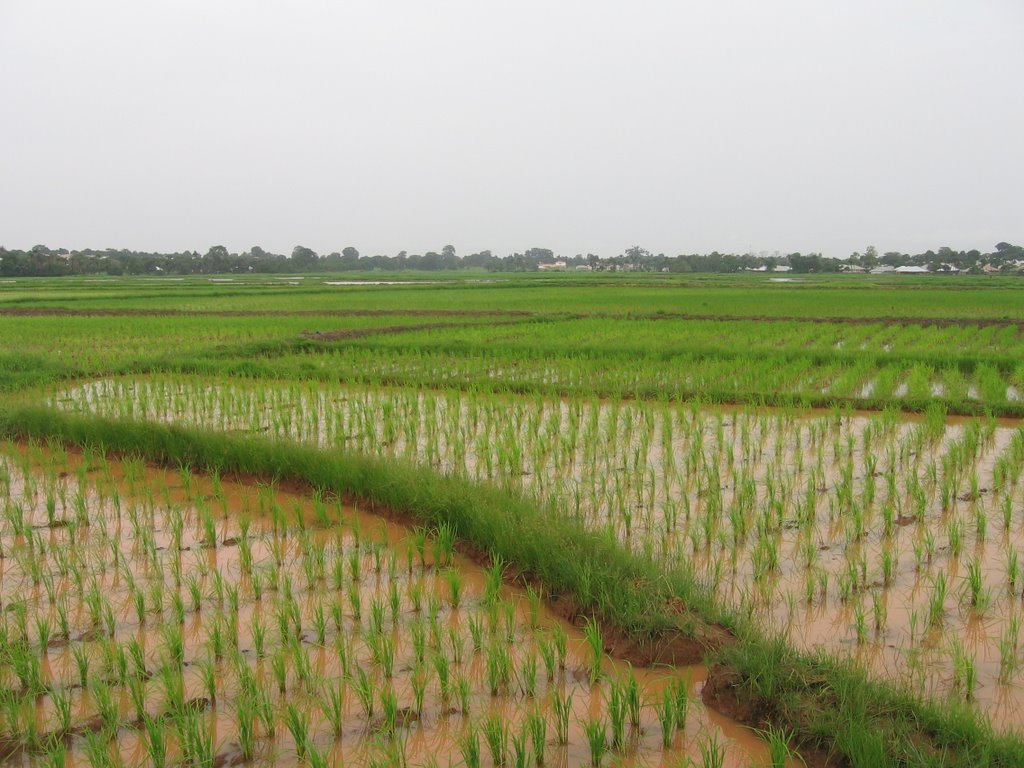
[[888, 539], [156, 617]]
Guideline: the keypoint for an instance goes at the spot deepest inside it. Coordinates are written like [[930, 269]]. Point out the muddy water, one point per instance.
[[256, 597], [893, 540]]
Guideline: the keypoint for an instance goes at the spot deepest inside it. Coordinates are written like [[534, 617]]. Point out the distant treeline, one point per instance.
[[41, 261]]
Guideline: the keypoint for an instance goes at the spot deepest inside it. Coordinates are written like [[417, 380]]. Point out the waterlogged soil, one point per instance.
[[891, 540], [153, 616]]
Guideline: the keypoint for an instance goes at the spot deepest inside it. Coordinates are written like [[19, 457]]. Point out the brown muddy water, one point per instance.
[[153, 617]]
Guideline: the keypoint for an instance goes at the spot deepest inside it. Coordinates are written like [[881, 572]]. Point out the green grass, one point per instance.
[[623, 294]]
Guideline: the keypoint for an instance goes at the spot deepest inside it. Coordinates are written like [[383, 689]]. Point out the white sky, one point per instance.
[[682, 126]]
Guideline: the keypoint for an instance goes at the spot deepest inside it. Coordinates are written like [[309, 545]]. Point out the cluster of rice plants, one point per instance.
[[878, 537], [723, 360], [167, 618]]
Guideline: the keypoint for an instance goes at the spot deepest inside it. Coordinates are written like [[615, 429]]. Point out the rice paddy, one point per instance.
[[164, 618], [871, 535], [817, 486]]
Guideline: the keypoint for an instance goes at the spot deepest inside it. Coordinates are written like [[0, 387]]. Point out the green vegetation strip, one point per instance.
[[832, 711]]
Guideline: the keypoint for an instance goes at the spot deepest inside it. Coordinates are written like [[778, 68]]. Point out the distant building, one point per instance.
[[911, 270], [554, 266]]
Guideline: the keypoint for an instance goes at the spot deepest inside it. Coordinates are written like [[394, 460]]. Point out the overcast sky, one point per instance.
[[682, 126]]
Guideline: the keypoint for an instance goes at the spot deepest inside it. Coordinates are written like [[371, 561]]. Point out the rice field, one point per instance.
[[162, 618], [892, 540], [846, 481]]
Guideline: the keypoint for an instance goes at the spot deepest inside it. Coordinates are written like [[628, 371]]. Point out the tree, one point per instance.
[[349, 258], [216, 260], [303, 257], [870, 258], [636, 254]]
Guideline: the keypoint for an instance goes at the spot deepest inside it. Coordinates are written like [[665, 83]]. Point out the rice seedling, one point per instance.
[[496, 735], [469, 747], [712, 753], [561, 708], [595, 730], [592, 633], [245, 725], [666, 713], [296, 720]]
